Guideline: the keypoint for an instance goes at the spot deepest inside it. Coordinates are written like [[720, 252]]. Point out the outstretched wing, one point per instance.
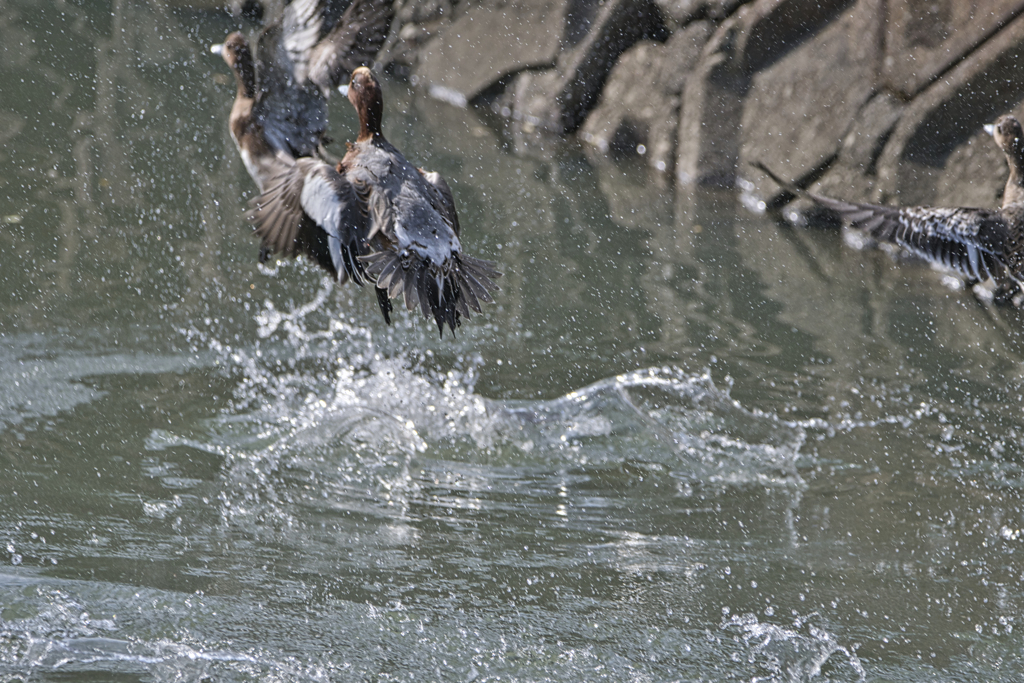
[[285, 46], [353, 42], [293, 114], [969, 241], [475, 277], [309, 208]]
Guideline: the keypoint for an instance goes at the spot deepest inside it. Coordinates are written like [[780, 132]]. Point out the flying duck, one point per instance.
[[979, 244], [376, 216], [280, 109]]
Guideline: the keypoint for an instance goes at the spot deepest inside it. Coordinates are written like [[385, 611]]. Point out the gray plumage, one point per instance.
[[415, 230]]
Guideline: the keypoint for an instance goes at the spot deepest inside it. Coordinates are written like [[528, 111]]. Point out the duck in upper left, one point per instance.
[[280, 109]]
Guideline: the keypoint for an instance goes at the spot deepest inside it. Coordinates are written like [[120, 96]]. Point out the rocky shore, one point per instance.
[[877, 100]]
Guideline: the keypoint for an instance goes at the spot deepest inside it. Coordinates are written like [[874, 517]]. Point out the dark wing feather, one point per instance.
[[276, 214], [969, 241], [285, 46], [414, 228], [311, 209], [354, 42], [293, 113], [962, 239]]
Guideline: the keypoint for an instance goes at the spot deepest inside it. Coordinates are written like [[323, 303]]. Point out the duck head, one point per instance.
[[365, 95], [238, 56], [1009, 136]]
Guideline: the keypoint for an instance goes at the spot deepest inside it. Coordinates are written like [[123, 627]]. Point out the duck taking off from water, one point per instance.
[[399, 219], [979, 244], [280, 109]]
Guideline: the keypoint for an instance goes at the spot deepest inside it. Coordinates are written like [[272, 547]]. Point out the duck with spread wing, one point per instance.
[[401, 218]]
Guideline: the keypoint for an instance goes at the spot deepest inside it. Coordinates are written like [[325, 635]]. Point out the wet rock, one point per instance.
[[853, 175], [489, 42], [679, 13], [709, 118], [254, 10], [927, 37], [945, 117], [715, 95], [638, 113], [799, 110], [557, 100]]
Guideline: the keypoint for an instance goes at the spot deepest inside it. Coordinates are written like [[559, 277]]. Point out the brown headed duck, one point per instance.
[[977, 243], [400, 220], [280, 111]]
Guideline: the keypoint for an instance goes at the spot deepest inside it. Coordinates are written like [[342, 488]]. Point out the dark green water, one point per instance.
[[687, 444]]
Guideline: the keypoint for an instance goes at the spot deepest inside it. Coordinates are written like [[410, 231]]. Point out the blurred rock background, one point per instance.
[[877, 100]]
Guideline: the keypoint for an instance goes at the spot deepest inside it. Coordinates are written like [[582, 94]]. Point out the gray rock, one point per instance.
[[489, 42], [558, 100], [926, 38], [799, 110], [853, 175], [945, 117], [639, 107], [679, 13], [416, 23], [751, 40]]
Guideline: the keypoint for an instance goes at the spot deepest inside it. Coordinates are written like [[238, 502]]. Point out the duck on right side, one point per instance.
[[401, 218], [979, 244]]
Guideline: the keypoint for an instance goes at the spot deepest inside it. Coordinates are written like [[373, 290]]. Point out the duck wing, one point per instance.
[[475, 275], [293, 112], [311, 209], [971, 241], [443, 200], [353, 42], [284, 47]]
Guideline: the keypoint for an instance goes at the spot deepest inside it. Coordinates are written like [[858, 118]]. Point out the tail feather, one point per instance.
[[444, 295], [385, 304], [467, 293], [412, 296]]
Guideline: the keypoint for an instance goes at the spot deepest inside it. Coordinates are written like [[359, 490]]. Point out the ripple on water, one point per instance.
[[41, 377]]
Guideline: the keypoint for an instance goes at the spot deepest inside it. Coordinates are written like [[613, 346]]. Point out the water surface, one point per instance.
[[688, 443]]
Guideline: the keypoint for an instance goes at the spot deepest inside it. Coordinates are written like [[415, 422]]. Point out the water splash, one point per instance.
[[793, 655], [49, 630]]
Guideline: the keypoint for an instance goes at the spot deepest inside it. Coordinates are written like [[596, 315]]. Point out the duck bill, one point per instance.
[[343, 89], [990, 128], [217, 49]]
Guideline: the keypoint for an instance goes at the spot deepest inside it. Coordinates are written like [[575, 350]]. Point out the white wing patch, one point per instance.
[[320, 201]]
